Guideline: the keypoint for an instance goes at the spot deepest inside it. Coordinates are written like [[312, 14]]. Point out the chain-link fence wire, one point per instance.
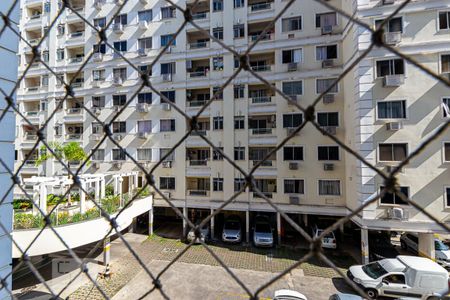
[[390, 178]]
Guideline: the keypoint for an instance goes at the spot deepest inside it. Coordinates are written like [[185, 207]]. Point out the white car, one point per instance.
[[204, 234], [442, 252], [288, 295], [342, 296], [328, 241]]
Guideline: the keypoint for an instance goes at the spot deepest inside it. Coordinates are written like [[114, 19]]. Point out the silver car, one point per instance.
[[204, 235], [232, 230], [262, 232]]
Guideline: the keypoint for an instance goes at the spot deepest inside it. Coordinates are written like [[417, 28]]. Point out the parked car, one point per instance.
[[262, 232], [380, 246], [442, 252], [232, 230], [328, 241], [342, 296], [288, 295], [204, 234], [404, 276]]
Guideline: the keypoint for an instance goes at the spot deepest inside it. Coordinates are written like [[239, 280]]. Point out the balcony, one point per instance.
[[72, 14], [261, 68], [76, 60], [73, 137], [202, 193], [30, 136], [198, 186], [197, 74], [261, 100], [265, 163], [196, 103], [74, 111], [258, 7], [198, 45], [200, 16], [197, 163], [261, 131]]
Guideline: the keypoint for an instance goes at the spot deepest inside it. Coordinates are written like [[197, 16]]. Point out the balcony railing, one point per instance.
[[77, 34], [265, 163], [76, 136], [200, 16], [30, 136], [77, 84], [74, 60], [35, 17], [265, 37], [258, 131], [31, 113], [33, 88], [196, 103], [197, 74], [267, 194], [198, 193], [198, 133], [260, 6], [30, 163], [198, 45], [194, 163], [74, 111], [261, 99], [262, 68]]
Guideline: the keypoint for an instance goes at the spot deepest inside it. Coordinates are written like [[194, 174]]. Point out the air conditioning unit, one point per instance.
[[327, 29], [117, 80], [291, 36], [96, 110], [392, 38], [327, 63], [167, 164], [142, 107], [169, 49], [293, 166], [294, 200], [166, 106], [117, 137], [328, 167], [143, 24], [330, 129], [95, 137], [397, 213], [394, 126], [393, 80], [117, 165], [390, 169], [167, 77], [328, 98], [142, 135], [290, 130], [167, 195], [97, 57], [118, 28], [293, 98], [96, 165], [116, 108], [292, 67], [141, 52], [388, 2], [98, 4]]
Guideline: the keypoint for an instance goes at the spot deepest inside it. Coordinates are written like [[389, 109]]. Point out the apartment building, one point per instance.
[[383, 108]]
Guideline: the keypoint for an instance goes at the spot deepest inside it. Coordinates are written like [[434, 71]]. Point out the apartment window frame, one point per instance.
[[98, 75], [119, 99], [388, 25], [445, 101], [290, 154], [168, 68], [118, 154], [60, 54], [446, 14], [144, 126], [446, 152], [121, 19], [239, 91], [146, 42], [217, 184], [99, 48], [146, 13], [321, 192], [394, 197], [145, 97], [121, 46], [217, 123], [392, 67], [168, 12], [294, 87], [393, 155], [119, 127], [287, 56], [166, 38], [217, 5], [447, 196], [217, 32], [239, 153], [441, 65], [390, 110], [290, 119], [98, 155], [172, 125], [101, 100], [330, 156], [334, 90], [238, 31], [294, 183], [239, 122], [328, 113], [162, 152], [217, 62], [328, 52], [318, 20], [216, 154], [238, 183], [96, 128], [140, 154], [238, 4], [287, 24], [170, 95], [167, 183], [100, 22]]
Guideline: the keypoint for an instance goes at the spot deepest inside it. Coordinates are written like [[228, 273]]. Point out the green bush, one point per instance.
[[22, 204], [145, 192], [111, 204], [109, 190]]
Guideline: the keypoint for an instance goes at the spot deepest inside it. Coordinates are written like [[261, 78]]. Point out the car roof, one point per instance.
[[421, 263], [343, 296], [392, 265], [289, 293]]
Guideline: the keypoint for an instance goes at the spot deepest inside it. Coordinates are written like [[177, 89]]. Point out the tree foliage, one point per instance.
[[71, 151]]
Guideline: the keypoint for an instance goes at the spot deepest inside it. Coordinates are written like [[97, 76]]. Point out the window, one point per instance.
[[447, 151], [217, 184], [323, 84], [98, 101], [120, 46], [144, 154], [238, 91], [167, 125], [168, 12], [326, 19], [326, 52], [164, 151], [217, 123], [444, 20], [215, 90], [98, 75], [392, 152], [446, 107], [166, 38], [98, 155], [292, 88], [217, 5], [218, 63], [121, 19], [238, 3], [145, 98], [146, 69], [118, 154], [238, 31], [292, 120], [59, 79], [292, 153], [239, 153], [291, 24], [328, 119], [239, 183], [328, 153], [239, 122], [391, 109], [390, 67], [97, 128], [170, 95], [101, 48], [218, 33], [47, 7], [145, 15], [292, 56], [447, 196], [119, 127], [60, 54], [144, 126], [145, 43], [44, 80], [393, 198], [393, 25], [120, 73], [168, 68], [119, 100], [100, 22], [329, 187], [61, 29], [167, 183], [216, 154], [445, 63], [395, 278], [45, 55], [294, 186]]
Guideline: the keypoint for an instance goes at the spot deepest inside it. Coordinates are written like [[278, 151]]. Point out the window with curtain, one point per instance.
[[118, 154], [145, 15], [121, 19], [323, 84], [120, 73], [326, 19], [168, 12], [165, 40], [98, 155], [393, 25], [291, 24], [145, 126], [291, 88], [392, 152], [326, 52], [294, 186], [145, 43], [98, 101], [164, 151], [167, 125], [98, 75], [291, 56], [391, 109], [168, 68], [328, 118], [329, 187], [144, 154], [393, 198]]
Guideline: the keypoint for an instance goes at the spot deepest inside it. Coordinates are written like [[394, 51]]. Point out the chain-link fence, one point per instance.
[[390, 179]]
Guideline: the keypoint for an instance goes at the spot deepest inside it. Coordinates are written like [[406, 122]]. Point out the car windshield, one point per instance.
[[438, 245], [374, 270], [233, 225], [262, 227]]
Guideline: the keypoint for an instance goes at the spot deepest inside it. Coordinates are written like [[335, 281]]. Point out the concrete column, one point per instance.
[[97, 189], [43, 197], [185, 214], [247, 226], [212, 225], [150, 222], [102, 188], [36, 196], [305, 220], [364, 246], [82, 198], [426, 245], [116, 185], [279, 228], [119, 189]]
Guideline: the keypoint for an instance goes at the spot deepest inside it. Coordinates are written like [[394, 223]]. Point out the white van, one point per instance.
[[404, 276], [442, 252]]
